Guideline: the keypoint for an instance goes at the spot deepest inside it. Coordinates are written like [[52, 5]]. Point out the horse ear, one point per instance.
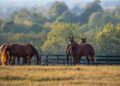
[[69, 37], [7, 47], [72, 37]]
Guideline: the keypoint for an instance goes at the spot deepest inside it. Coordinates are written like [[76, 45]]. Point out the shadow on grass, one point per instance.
[[56, 69], [12, 78], [15, 78], [54, 79]]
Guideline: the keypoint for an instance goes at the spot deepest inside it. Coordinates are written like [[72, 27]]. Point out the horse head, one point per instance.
[[71, 40], [83, 40], [35, 52]]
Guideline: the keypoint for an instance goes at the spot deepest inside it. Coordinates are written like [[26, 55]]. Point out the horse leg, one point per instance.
[[6, 61], [88, 61], [92, 58], [79, 59], [67, 59], [13, 60], [9, 60], [74, 60], [24, 61], [29, 60], [18, 60]]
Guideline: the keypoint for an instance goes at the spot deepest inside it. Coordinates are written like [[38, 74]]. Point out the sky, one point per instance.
[[43, 2], [8, 6]]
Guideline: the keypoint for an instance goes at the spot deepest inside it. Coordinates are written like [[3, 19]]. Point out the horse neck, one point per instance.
[[74, 46], [75, 43]]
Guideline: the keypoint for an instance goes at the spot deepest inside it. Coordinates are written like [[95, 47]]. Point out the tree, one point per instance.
[[117, 15], [57, 38], [67, 17], [76, 10], [98, 19], [57, 9], [1, 32], [39, 18], [89, 9], [109, 39], [8, 26]]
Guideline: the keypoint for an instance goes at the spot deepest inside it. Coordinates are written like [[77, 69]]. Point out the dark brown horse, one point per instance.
[[27, 51], [78, 50]]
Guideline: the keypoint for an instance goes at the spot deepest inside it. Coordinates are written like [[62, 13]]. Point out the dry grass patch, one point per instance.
[[60, 75]]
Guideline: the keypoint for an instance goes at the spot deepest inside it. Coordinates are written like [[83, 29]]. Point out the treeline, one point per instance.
[[49, 30]]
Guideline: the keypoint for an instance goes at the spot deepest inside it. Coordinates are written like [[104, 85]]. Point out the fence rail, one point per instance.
[[56, 59]]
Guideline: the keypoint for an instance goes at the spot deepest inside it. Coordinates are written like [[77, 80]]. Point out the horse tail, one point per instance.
[[67, 53]]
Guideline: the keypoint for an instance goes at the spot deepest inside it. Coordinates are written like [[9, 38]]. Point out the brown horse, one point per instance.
[[73, 50], [87, 50], [78, 50], [27, 51]]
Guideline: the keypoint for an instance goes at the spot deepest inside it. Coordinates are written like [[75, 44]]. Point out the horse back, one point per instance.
[[20, 50], [90, 48]]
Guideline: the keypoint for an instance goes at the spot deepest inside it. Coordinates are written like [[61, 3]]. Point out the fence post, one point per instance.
[[46, 60], [34, 60], [57, 59], [106, 60]]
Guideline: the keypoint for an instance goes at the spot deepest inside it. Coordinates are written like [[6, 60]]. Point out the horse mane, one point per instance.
[[3, 46], [74, 44]]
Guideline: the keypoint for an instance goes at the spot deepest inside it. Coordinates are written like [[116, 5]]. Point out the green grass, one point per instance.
[[59, 75]]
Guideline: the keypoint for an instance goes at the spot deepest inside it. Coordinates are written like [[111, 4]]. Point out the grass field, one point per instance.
[[59, 75]]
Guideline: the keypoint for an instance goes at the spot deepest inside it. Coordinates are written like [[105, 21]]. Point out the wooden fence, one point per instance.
[[62, 60]]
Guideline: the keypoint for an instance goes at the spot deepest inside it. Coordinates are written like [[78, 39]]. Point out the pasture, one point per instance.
[[60, 75]]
